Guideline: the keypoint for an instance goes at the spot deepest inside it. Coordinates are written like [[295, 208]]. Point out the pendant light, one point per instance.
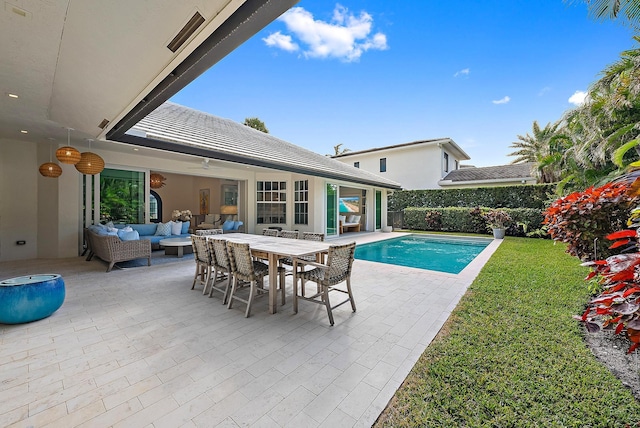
[[90, 163], [68, 154], [50, 169]]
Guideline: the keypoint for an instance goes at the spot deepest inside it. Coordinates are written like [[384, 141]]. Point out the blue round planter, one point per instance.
[[30, 298]]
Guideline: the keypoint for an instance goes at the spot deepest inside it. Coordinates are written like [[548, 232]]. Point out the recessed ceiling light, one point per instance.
[[24, 131], [12, 95], [135, 150]]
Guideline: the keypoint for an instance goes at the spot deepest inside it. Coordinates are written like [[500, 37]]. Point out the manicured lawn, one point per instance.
[[512, 356]]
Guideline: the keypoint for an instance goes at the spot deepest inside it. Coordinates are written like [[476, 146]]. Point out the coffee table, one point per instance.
[[176, 246]]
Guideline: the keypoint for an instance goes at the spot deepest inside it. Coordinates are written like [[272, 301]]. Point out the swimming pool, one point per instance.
[[445, 254]]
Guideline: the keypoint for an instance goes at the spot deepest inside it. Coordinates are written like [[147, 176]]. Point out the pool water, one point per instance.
[[443, 254]]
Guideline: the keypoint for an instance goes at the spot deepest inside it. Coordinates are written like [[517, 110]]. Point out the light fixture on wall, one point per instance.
[[90, 163], [50, 169], [156, 180], [68, 154]]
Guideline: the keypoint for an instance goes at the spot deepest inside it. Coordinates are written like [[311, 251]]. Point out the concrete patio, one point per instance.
[[137, 348]]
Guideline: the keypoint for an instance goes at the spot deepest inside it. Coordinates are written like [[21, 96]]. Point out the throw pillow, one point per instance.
[[164, 229], [342, 218], [237, 224], [110, 224], [350, 219], [356, 219], [176, 227], [131, 235], [185, 227], [228, 225]]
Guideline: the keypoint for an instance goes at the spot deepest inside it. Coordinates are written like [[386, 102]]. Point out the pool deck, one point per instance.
[[138, 348]]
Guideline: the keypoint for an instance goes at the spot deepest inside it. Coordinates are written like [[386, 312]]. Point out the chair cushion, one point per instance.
[[164, 229]]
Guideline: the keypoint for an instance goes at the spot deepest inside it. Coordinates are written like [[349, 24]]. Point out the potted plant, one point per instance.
[[497, 222]]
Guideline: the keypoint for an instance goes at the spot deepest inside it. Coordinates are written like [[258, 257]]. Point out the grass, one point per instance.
[[511, 355]]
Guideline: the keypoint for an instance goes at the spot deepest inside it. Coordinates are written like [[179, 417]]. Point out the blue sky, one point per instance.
[[371, 73]]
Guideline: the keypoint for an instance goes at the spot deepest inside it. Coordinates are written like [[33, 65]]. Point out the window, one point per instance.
[[122, 195], [301, 204], [155, 207], [271, 199], [446, 162], [356, 164], [383, 165]]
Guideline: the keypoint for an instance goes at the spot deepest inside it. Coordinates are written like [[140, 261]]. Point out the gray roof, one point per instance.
[[444, 141], [181, 129], [502, 172]]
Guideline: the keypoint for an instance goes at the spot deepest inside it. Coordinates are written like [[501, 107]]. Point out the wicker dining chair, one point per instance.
[[208, 232], [289, 234], [270, 232], [221, 267], [309, 236], [244, 268], [202, 257], [327, 276]]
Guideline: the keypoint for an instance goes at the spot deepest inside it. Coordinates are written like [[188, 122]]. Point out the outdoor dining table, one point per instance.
[[276, 248]]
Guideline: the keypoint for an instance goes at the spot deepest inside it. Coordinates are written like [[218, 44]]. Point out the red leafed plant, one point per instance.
[[617, 307], [582, 219]]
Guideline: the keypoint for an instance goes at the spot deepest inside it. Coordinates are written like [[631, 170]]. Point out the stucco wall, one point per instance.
[[19, 199], [414, 167]]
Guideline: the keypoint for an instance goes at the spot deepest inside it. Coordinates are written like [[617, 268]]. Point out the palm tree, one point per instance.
[[610, 119], [627, 11], [544, 149]]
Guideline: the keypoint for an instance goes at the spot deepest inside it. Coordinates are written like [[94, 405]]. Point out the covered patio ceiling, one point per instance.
[[100, 66]]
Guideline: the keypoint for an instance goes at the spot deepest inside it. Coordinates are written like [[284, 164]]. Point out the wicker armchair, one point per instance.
[[113, 250], [336, 271]]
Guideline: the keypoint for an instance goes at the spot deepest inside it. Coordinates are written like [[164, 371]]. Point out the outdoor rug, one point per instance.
[[157, 258]]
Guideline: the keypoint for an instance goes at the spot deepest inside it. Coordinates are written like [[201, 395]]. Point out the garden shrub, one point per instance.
[[531, 196], [617, 307], [584, 219], [470, 220]]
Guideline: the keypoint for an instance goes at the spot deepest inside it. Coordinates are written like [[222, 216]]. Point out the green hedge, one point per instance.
[[532, 196], [456, 219]]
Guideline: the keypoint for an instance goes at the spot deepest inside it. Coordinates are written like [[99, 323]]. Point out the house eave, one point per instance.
[[145, 141]]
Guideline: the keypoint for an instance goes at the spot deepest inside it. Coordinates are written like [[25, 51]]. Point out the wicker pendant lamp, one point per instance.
[[50, 169], [68, 154], [90, 163]]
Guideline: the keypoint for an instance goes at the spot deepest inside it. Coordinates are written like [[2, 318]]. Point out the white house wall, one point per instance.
[[414, 167]]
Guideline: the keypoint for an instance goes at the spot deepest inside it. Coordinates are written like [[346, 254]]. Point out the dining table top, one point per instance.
[[276, 245]]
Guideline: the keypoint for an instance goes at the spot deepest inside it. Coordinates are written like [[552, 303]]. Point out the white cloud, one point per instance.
[[281, 41], [502, 101], [464, 72], [544, 91], [346, 37], [578, 98]]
